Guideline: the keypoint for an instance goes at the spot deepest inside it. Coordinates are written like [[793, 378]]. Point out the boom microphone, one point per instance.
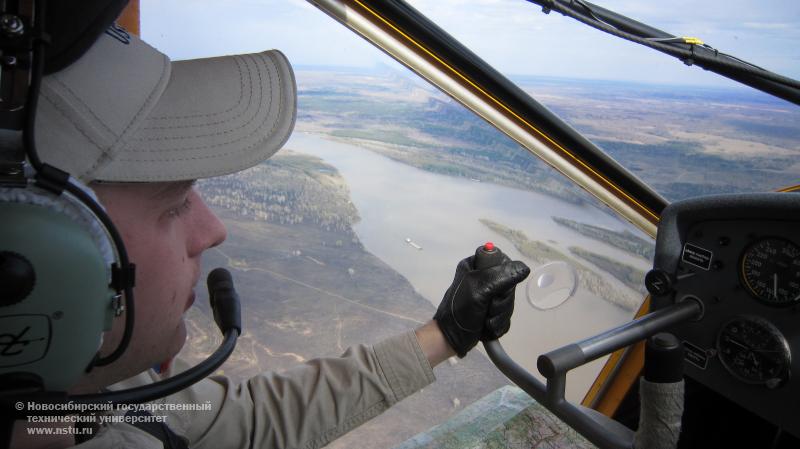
[[224, 301]]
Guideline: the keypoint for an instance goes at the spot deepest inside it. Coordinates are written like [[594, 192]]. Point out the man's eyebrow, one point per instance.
[[172, 189]]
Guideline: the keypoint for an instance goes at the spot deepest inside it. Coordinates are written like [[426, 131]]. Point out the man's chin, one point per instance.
[[178, 341]]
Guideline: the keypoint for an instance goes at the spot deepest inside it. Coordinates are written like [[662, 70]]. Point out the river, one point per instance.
[[441, 215]]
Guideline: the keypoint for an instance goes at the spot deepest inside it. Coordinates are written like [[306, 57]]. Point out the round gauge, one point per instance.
[[771, 271], [754, 351]]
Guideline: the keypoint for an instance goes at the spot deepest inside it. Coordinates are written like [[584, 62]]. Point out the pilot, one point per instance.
[[138, 130]]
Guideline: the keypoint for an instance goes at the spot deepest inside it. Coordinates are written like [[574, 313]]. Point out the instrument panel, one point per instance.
[[770, 270], [739, 256], [754, 351]]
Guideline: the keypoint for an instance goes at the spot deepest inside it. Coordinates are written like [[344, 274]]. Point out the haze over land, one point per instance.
[[683, 141], [310, 288]]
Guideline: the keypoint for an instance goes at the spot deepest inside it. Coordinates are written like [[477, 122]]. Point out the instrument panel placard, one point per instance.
[[699, 257]]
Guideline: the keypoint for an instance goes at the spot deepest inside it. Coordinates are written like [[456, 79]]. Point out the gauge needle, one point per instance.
[[775, 285], [737, 343], [753, 350]]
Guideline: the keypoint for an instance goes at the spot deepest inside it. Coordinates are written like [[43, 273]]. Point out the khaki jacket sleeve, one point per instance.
[[307, 406]]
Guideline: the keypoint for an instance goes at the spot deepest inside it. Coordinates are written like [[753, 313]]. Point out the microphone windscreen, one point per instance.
[[219, 278], [224, 300]]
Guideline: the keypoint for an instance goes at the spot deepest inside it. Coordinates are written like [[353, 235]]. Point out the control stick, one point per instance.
[[487, 255], [597, 428]]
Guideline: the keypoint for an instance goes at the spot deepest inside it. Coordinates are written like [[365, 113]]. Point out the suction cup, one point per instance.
[[551, 285]]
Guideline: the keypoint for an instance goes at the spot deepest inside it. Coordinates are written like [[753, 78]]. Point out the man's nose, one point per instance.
[[208, 230]]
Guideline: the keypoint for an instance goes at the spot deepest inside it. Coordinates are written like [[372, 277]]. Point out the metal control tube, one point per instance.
[[563, 359], [597, 428]]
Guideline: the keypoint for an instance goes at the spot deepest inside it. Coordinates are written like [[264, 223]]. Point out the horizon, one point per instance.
[[514, 36], [520, 80]]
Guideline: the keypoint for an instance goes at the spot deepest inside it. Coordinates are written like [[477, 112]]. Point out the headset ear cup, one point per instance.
[[55, 331]]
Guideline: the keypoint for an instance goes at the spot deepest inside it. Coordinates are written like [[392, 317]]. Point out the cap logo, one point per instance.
[[119, 33]]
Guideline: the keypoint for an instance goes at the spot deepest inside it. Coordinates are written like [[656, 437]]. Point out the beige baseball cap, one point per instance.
[[123, 112]]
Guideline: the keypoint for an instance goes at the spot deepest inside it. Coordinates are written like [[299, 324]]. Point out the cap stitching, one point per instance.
[[117, 138], [57, 80], [148, 101], [231, 119], [238, 102], [98, 119], [135, 119], [70, 118], [229, 131], [244, 164], [267, 135]]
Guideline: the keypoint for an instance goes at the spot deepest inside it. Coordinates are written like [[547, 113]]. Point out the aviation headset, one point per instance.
[[64, 271]]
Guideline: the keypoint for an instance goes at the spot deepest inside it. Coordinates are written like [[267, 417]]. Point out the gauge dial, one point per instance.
[[754, 351], [771, 271]]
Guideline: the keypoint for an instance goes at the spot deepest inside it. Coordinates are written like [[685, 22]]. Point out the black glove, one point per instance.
[[479, 303]]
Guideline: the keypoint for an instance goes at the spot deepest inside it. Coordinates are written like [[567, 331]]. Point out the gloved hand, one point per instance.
[[479, 303]]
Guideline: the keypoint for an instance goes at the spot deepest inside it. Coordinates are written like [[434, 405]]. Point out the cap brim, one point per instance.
[[216, 116]]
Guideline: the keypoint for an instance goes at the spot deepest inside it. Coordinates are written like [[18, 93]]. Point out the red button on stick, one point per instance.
[[487, 255]]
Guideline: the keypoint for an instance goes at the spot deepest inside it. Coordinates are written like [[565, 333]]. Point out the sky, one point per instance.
[[512, 35]]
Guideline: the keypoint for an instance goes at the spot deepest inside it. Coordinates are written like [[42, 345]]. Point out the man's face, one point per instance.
[[165, 227]]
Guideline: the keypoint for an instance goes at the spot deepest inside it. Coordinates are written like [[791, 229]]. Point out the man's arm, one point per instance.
[[433, 344], [311, 404]]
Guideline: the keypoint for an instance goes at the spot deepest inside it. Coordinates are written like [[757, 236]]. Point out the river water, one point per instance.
[[441, 215]]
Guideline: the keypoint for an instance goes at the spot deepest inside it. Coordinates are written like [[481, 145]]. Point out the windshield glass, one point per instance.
[[684, 131], [352, 232]]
